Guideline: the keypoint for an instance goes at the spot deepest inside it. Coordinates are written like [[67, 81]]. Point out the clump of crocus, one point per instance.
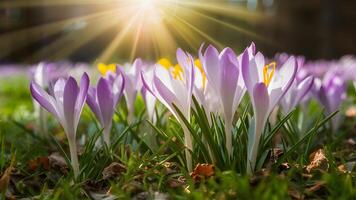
[[266, 86], [65, 103], [174, 87], [103, 100], [223, 73]]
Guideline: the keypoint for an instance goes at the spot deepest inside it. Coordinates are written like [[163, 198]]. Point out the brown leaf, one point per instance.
[[56, 161], [113, 170], [318, 161], [347, 167], [294, 193], [42, 161], [342, 169], [5, 179], [316, 187], [202, 171], [351, 112], [175, 183]]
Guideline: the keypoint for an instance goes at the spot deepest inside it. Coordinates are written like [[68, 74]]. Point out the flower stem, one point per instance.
[[189, 146], [252, 154], [74, 157], [228, 137], [106, 134]]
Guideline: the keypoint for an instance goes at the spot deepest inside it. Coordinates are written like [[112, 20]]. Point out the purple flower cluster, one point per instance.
[[218, 80]]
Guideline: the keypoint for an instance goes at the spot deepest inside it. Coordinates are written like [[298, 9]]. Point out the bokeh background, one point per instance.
[[99, 31]]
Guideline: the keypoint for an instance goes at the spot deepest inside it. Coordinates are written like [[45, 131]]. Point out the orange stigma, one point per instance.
[[268, 72]]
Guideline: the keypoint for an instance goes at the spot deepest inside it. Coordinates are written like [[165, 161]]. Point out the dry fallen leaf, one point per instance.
[[5, 179], [294, 193], [318, 161], [57, 161], [318, 187], [351, 112], [113, 170], [42, 161], [202, 171]]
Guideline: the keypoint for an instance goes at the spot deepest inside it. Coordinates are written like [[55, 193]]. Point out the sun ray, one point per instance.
[[225, 9], [38, 32], [110, 49], [205, 35], [85, 39], [231, 26], [66, 40]]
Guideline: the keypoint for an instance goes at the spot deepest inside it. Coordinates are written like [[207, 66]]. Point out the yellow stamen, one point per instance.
[[177, 72], [200, 67], [165, 63], [104, 69], [268, 72]]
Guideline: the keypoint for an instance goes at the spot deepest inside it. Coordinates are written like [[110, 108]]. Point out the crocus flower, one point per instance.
[[204, 92], [65, 103], [103, 100], [266, 86], [132, 86], [175, 87], [330, 93], [148, 98], [45, 74], [104, 69], [223, 72], [296, 93], [299, 88]]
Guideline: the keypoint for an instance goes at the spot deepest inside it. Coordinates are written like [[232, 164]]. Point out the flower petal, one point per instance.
[[303, 88], [210, 62], [70, 96], [92, 102], [43, 98], [229, 77], [105, 100], [82, 96]]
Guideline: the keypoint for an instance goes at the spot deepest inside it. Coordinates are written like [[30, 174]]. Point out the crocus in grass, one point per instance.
[[45, 74], [296, 93], [299, 88], [103, 100], [39, 76], [204, 92], [65, 102], [133, 85], [266, 86], [331, 92], [223, 73], [175, 87], [148, 98]]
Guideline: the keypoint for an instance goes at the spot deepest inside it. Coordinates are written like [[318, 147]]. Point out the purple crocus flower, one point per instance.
[[296, 93], [299, 88], [204, 92], [65, 103], [175, 89], [223, 72], [103, 100], [148, 98], [330, 93], [133, 84], [266, 86], [44, 74]]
